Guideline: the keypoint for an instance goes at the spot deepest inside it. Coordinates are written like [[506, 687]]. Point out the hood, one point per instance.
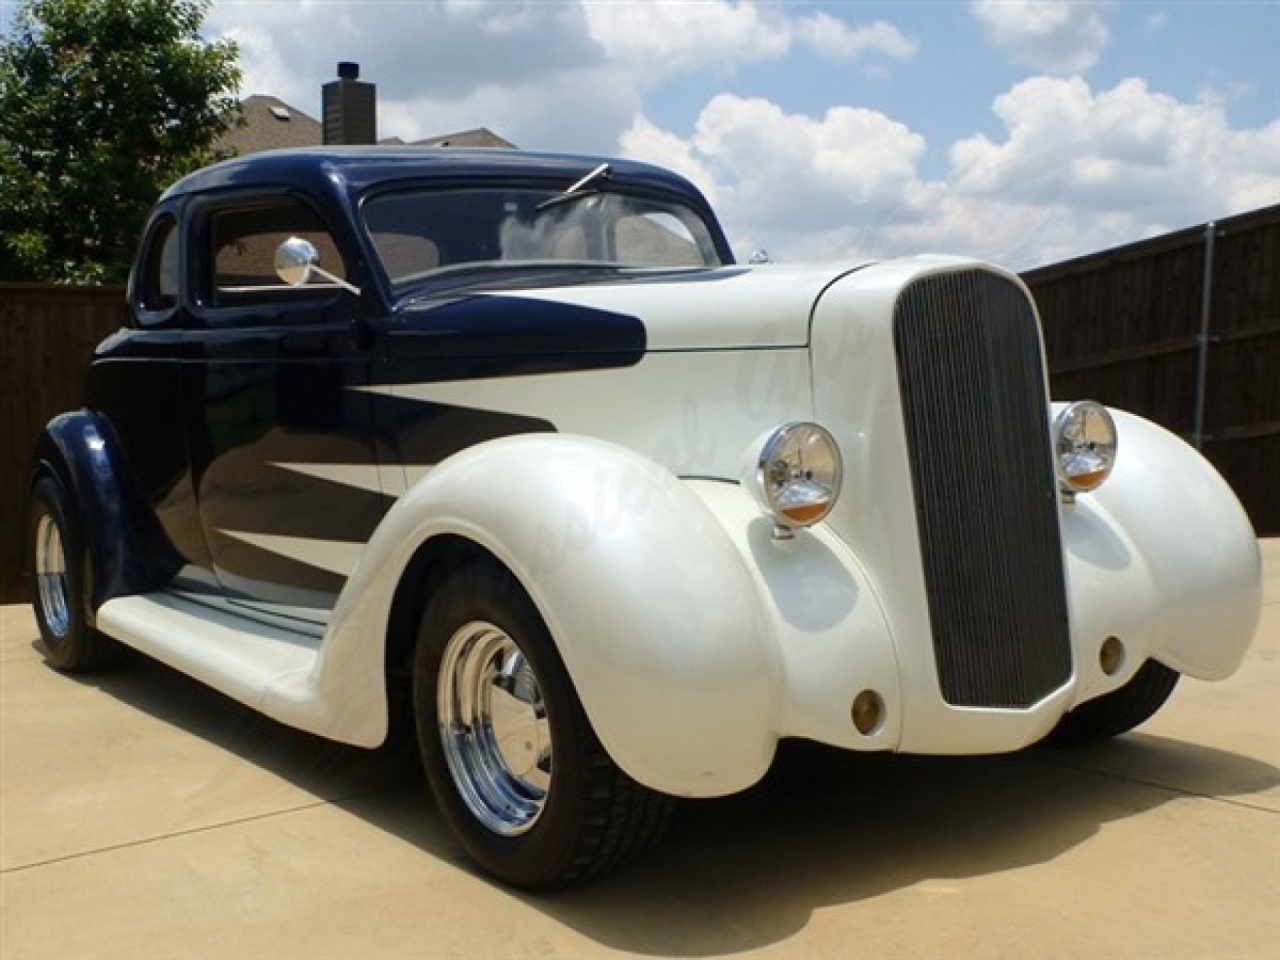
[[727, 308]]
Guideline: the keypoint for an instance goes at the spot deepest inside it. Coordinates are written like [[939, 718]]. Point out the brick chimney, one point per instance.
[[350, 108]]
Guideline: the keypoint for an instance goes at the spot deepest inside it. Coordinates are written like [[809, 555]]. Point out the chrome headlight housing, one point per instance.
[[796, 474], [1084, 446]]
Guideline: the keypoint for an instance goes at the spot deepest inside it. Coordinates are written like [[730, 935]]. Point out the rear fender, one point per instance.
[[127, 550]]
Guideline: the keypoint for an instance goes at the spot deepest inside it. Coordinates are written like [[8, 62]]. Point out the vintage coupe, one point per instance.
[[507, 444]]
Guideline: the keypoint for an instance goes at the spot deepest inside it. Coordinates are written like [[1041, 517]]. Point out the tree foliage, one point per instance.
[[103, 103]]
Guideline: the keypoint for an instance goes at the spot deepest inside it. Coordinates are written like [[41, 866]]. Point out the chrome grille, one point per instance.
[[973, 396]]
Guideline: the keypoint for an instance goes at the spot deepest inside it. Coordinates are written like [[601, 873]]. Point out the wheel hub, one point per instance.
[[493, 728], [51, 576]]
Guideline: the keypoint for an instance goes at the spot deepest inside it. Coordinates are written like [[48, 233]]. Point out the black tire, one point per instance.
[[58, 562], [518, 821], [1119, 711]]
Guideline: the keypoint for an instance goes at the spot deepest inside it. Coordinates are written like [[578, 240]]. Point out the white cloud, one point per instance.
[[1071, 169], [836, 40], [555, 75], [789, 166], [1075, 171], [264, 69], [572, 110], [819, 186], [1054, 36], [434, 51], [1127, 148], [644, 141], [514, 59], [655, 40], [1155, 21]]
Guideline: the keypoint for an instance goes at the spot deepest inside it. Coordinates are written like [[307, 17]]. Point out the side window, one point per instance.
[[244, 241], [158, 276]]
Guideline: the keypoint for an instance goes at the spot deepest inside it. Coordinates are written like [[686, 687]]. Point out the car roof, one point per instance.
[[357, 168]]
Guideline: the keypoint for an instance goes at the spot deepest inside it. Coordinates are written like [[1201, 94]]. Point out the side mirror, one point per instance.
[[297, 259]]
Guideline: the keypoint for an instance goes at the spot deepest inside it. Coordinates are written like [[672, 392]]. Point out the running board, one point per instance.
[[246, 659]]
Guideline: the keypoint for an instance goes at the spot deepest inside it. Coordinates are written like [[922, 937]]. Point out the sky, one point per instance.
[[1021, 132]]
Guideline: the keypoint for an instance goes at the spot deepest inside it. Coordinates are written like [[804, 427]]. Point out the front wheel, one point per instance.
[[511, 758], [1119, 711]]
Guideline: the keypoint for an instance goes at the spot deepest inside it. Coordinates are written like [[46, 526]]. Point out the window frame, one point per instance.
[[164, 229], [282, 304]]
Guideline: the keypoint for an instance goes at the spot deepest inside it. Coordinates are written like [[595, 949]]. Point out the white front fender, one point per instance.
[[653, 612], [1168, 526]]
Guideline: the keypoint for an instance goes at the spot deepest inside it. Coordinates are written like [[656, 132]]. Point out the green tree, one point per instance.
[[103, 103]]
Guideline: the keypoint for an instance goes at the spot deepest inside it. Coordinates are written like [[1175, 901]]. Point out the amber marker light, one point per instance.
[[1111, 656], [1084, 446], [867, 712]]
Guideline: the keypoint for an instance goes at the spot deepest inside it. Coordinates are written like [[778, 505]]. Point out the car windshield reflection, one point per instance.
[[423, 234]]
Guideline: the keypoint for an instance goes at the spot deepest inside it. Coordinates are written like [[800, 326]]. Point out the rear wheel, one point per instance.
[[514, 765], [1119, 711], [58, 561]]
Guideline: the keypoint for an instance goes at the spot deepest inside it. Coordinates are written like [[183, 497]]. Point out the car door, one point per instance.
[[281, 442]]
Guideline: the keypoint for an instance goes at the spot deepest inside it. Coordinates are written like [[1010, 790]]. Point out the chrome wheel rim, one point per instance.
[[494, 729], [51, 576]]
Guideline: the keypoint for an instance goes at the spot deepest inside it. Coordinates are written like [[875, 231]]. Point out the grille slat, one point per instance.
[[972, 387]]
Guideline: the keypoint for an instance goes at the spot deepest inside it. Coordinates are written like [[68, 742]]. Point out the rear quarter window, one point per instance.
[[157, 291]]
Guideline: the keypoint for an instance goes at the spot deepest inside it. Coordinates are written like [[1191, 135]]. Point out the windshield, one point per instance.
[[423, 232]]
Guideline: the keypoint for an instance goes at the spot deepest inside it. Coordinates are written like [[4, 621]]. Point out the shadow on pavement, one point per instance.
[[828, 828], [825, 827]]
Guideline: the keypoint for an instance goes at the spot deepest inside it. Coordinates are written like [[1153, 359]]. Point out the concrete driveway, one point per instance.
[[145, 816]]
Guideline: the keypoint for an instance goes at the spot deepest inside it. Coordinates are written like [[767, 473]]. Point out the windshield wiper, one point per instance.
[[577, 189]]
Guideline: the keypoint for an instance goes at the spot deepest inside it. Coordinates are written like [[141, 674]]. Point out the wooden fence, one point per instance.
[[1183, 329], [47, 334]]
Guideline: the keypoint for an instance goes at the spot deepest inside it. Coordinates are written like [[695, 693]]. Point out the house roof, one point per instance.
[[268, 123], [479, 137]]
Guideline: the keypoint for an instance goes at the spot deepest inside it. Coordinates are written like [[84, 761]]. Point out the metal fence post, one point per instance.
[[1202, 342]]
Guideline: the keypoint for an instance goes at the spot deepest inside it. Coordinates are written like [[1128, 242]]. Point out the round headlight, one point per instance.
[[1084, 438], [797, 474]]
